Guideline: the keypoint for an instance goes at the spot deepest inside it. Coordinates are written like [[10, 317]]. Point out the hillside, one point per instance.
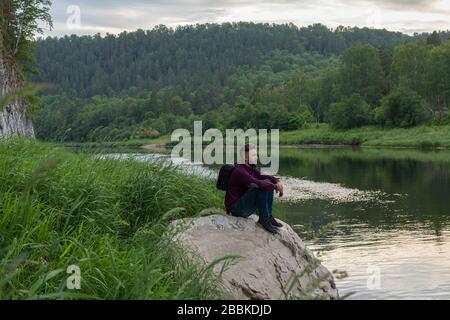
[[147, 83], [192, 56]]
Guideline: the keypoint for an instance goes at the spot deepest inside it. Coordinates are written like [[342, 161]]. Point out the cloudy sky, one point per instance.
[[114, 16]]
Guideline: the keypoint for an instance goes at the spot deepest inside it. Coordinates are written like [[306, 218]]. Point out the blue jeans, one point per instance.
[[253, 200]]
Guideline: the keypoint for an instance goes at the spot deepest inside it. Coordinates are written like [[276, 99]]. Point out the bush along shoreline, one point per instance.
[[105, 217]]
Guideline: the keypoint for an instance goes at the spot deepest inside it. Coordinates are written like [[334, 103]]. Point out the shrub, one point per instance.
[[349, 113], [441, 118], [305, 118], [403, 108]]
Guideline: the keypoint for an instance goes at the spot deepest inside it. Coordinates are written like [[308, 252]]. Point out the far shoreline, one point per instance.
[[425, 137]]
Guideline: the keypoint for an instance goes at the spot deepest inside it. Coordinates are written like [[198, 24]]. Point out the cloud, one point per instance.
[[397, 4], [115, 16]]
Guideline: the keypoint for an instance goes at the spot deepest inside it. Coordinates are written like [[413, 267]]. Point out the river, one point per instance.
[[393, 244]]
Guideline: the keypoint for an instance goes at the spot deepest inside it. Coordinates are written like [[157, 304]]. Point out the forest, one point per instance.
[[144, 84]]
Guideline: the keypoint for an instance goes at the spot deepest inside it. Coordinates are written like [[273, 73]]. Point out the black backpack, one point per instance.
[[224, 175]]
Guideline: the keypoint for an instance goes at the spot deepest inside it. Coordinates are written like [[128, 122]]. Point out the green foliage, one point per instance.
[[179, 107], [434, 39], [305, 118], [107, 216], [437, 80], [287, 121], [21, 21], [403, 108], [327, 92], [141, 84], [362, 73], [424, 69], [349, 113], [199, 58], [409, 66], [445, 119], [297, 91], [98, 118]]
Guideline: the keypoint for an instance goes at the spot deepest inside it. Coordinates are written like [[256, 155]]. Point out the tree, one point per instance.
[[437, 79], [434, 39], [298, 91], [403, 108], [386, 55], [349, 113], [179, 107], [409, 65], [361, 72], [327, 92], [20, 22]]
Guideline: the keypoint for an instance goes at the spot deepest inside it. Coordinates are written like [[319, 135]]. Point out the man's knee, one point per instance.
[[266, 192]]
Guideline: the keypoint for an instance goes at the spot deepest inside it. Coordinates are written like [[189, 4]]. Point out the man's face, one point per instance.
[[252, 156]]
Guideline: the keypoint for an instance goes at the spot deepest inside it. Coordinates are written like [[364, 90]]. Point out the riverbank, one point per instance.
[[105, 217], [319, 136], [432, 137], [322, 135]]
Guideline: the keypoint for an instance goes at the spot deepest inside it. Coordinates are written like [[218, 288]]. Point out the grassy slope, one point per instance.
[[417, 137], [59, 209]]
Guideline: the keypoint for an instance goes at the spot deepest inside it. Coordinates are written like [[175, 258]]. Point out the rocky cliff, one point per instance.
[[14, 118]]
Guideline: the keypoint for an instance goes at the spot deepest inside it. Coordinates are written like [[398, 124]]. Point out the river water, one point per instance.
[[378, 218], [392, 244]]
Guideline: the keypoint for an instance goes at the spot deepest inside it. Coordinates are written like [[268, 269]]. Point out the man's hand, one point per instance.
[[280, 189]]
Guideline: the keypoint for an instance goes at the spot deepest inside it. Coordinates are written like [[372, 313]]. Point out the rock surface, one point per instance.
[[13, 121], [269, 266], [14, 117]]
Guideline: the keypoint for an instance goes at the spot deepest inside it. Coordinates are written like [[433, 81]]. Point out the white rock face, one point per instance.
[[15, 122], [14, 119], [270, 266]]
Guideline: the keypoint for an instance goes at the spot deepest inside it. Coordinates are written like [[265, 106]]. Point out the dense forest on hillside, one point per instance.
[[147, 83]]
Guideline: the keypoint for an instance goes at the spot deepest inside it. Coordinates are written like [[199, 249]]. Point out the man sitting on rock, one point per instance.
[[248, 190]]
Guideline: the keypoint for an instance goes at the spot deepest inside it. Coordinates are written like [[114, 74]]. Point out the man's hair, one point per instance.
[[247, 147], [245, 150]]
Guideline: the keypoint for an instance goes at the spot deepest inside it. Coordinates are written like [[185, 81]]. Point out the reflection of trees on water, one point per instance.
[[423, 178]]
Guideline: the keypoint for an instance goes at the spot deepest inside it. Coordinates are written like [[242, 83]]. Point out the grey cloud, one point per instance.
[[405, 4], [133, 14]]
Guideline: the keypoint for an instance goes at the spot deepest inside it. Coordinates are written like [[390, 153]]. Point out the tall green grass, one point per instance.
[[106, 216]]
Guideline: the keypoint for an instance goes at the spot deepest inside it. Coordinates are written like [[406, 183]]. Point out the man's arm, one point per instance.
[[248, 179], [278, 185], [273, 179]]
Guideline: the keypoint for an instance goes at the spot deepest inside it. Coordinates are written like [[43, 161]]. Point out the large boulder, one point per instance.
[[269, 266]]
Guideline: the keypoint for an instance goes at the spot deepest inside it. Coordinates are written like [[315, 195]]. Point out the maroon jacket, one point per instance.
[[240, 180]]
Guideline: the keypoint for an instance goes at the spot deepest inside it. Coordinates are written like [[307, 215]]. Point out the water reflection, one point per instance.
[[405, 238]]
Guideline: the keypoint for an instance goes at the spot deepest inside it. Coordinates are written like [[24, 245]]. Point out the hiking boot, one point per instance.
[[268, 226], [275, 223]]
